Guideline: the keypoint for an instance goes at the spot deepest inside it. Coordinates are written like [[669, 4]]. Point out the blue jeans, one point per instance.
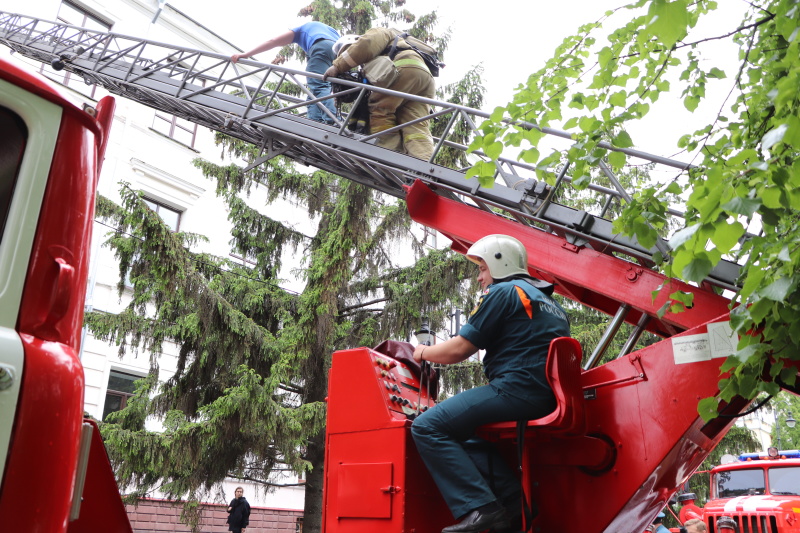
[[466, 468], [320, 57]]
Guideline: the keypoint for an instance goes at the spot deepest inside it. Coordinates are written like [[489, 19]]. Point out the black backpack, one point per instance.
[[358, 118], [426, 51]]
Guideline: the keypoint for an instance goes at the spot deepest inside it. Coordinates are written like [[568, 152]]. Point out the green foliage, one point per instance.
[[786, 406], [747, 171]]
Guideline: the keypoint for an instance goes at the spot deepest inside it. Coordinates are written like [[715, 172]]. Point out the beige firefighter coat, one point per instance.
[[389, 111]]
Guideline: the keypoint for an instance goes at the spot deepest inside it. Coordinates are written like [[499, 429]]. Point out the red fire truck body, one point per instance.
[[760, 493], [635, 433], [626, 435], [54, 471]]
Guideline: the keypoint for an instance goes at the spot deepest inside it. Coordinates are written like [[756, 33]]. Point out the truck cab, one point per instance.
[[54, 473], [759, 491]]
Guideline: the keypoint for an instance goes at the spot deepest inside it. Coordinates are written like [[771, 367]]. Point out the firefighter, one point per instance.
[[657, 526], [387, 111], [515, 321], [316, 39], [726, 524], [688, 508]]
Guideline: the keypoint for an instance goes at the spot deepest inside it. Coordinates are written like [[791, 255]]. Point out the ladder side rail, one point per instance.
[[132, 64], [559, 223], [434, 175], [170, 65], [67, 42], [42, 35], [6, 20], [497, 162], [661, 245], [106, 43], [92, 43], [189, 73], [71, 42], [614, 181], [404, 124], [549, 199], [201, 77], [241, 79], [365, 164], [272, 96], [440, 141], [297, 105]]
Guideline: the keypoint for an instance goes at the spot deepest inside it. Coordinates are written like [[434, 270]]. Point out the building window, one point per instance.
[[74, 15], [175, 128], [120, 388], [298, 526], [170, 216], [178, 129]]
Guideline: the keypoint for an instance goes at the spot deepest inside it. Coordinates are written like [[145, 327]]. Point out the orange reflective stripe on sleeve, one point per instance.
[[526, 302]]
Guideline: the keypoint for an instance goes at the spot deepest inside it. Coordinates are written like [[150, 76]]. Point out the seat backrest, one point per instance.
[[564, 376]]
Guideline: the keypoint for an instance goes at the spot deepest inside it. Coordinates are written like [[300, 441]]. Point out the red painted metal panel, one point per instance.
[[52, 303], [38, 484], [365, 490], [368, 394], [641, 407], [40, 469], [365, 428], [101, 507]]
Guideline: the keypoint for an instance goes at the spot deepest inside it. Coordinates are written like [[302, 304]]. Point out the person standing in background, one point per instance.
[[238, 512]]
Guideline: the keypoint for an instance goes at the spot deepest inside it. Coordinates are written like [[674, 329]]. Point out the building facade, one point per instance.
[[152, 152]]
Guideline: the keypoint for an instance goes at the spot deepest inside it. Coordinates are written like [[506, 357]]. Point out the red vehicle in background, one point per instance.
[[54, 473], [760, 492]]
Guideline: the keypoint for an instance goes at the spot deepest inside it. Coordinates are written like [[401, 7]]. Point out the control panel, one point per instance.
[[374, 477], [404, 393]]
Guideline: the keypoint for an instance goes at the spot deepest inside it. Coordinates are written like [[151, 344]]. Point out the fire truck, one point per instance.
[[759, 491], [55, 473], [625, 434]]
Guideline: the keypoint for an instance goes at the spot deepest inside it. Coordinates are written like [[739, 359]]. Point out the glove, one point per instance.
[[332, 72]]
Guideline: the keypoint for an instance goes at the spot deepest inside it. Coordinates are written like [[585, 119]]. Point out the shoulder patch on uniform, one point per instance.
[[526, 302], [480, 301]]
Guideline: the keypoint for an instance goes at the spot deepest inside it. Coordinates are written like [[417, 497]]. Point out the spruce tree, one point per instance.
[[247, 399]]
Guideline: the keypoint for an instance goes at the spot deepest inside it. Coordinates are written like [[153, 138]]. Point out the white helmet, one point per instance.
[[504, 255], [342, 43]]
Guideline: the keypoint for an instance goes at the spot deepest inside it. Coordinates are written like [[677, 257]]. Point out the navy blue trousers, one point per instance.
[[468, 470]]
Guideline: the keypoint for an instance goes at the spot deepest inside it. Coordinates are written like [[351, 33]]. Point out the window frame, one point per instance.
[[161, 205], [123, 395], [65, 78]]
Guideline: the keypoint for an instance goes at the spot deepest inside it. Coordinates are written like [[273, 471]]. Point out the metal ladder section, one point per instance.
[[265, 105]]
